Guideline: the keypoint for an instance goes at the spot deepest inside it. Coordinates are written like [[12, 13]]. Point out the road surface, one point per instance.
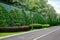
[[51, 36], [52, 33]]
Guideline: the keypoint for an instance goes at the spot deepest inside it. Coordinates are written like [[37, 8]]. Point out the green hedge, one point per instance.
[[38, 26], [45, 25]]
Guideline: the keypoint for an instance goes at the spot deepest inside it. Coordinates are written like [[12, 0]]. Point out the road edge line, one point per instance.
[[45, 34]]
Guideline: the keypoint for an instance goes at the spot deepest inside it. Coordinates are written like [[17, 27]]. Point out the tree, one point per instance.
[[3, 17], [30, 11], [16, 18]]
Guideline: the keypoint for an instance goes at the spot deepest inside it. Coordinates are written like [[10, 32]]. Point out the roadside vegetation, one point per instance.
[[21, 15]]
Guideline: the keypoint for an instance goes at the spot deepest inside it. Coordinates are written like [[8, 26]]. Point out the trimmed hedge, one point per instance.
[[45, 25], [15, 29], [38, 26], [23, 28]]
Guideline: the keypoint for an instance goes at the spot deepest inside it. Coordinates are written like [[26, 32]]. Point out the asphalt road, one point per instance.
[[36, 34], [52, 36]]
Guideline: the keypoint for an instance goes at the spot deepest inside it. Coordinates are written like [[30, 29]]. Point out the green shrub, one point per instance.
[[45, 25], [36, 26]]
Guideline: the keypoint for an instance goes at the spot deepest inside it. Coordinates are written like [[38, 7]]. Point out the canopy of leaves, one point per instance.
[[29, 12]]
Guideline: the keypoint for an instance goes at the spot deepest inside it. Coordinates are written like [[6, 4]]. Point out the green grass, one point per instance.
[[8, 33]]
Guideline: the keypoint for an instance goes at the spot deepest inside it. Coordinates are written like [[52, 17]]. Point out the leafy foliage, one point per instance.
[[31, 12]]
